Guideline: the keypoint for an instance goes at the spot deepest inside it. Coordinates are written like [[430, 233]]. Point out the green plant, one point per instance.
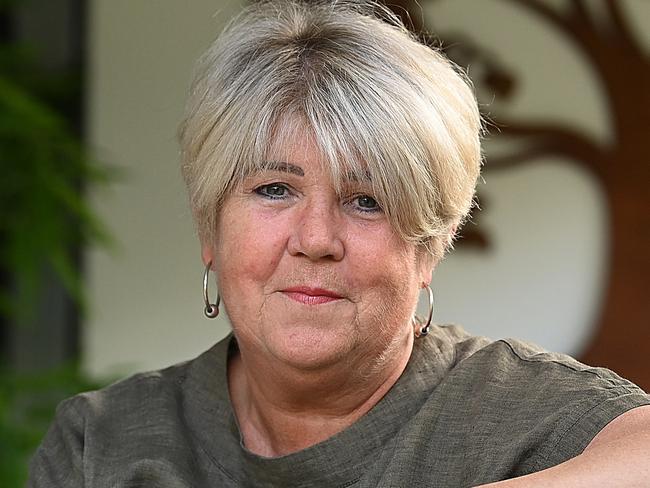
[[43, 214], [44, 221]]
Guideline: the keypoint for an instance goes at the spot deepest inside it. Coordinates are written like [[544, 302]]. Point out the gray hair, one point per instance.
[[379, 104]]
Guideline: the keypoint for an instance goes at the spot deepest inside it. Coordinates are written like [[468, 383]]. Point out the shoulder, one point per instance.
[[129, 422], [126, 403], [511, 375], [100, 424], [521, 364], [144, 394], [552, 404], [525, 365]]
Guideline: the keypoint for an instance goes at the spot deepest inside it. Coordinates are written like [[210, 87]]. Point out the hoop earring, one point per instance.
[[424, 327], [211, 310]]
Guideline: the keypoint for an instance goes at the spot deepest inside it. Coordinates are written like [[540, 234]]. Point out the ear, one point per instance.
[[426, 264], [207, 254]]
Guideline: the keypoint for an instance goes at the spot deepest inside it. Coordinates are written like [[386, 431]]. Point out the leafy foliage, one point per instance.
[[44, 219], [43, 215]]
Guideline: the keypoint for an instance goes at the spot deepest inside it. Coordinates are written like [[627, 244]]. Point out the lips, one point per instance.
[[311, 296]]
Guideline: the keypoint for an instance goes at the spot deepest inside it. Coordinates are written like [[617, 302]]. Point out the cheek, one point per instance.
[[248, 248], [385, 269]]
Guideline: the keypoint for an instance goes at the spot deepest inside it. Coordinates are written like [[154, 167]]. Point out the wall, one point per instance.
[[146, 295]]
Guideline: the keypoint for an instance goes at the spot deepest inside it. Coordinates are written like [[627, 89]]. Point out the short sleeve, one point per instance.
[[59, 459], [583, 424], [571, 402]]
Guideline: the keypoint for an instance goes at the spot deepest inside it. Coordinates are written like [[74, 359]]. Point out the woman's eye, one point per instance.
[[274, 190], [367, 204]]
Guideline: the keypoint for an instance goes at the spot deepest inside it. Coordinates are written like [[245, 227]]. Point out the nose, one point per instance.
[[317, 233]]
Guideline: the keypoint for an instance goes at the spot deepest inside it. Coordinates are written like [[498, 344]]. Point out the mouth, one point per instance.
[[311, 296]]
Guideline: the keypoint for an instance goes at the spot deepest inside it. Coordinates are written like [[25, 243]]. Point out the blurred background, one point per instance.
[[100, 270]]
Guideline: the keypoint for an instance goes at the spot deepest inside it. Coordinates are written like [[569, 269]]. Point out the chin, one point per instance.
[[310, 347]]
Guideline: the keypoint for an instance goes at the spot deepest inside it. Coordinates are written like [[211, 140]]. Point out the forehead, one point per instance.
[[292, 142], [294, 149], [298, 156]]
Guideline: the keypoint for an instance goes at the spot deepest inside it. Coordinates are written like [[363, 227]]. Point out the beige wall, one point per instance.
[[541, 279], [146, 296]]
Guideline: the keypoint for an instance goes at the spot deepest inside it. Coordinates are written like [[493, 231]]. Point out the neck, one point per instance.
[[286, 409]]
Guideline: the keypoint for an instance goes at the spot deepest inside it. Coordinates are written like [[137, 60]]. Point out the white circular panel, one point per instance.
[[542, 277]]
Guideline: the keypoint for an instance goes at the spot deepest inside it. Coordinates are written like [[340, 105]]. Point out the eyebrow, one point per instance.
[[281, 166], [284, 167]]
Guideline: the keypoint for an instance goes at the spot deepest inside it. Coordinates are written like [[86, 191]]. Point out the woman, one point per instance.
[[329, 159]]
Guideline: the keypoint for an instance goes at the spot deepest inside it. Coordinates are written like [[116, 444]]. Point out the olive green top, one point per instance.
[[465, 411]]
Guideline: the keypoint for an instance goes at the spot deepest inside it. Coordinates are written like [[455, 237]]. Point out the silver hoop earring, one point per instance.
[[211, 310], [424, 326]]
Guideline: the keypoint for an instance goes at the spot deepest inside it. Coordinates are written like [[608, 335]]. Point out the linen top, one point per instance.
[[465, 411]]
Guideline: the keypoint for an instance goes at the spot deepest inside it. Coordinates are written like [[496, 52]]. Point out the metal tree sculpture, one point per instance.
[[622, 68]]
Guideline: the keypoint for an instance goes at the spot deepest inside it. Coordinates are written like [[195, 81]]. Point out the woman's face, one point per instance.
[[309, 277]]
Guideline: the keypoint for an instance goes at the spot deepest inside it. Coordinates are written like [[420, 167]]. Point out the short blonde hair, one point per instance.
[[378, 103]]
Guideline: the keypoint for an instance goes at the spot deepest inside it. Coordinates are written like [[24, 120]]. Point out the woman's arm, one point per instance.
[[619, 456]]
